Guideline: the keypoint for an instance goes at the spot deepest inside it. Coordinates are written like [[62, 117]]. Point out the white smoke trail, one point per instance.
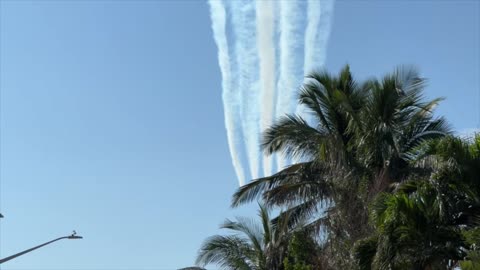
[[291, 65], [291, 35], [319, 16], [244, 27], [230, 103], [266, 52]]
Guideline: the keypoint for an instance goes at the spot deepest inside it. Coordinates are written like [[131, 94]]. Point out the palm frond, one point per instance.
[[299, 214], [293, 137], [247, 227], [264, 215], [255, 189], [365, 251], [228, 252]]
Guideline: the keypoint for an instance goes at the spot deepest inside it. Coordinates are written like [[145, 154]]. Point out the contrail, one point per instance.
[[291, 65], [266, 51], [230, 104], [243, 21], [312, 52], [319, 16]]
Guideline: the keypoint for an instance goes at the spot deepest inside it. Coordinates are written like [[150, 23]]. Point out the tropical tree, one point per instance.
[[304, 186], [458, 159], [413, 231], [472, 260], [360, 144], [303, 252], [431, 223], [252, 246], [394, 121]]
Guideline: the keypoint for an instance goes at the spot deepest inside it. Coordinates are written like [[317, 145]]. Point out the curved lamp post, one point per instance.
[[73, 236]]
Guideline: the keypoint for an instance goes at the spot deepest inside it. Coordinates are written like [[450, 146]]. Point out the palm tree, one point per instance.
[[472, 260], [454, 155], [395, 120], [303, 253], [426, 224], [361, 143], [419, 230], [324, 145], [253, 246]]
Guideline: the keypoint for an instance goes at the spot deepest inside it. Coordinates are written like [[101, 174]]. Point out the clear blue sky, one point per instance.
[[112, 121]]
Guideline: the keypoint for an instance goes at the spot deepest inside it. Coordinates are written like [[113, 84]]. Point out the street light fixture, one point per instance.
[[72, 236]]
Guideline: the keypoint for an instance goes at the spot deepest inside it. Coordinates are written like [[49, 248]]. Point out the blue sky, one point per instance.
[[112, 121]]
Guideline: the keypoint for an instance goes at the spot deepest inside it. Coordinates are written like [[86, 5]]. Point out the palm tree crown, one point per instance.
[[361, 142], [252, 246]]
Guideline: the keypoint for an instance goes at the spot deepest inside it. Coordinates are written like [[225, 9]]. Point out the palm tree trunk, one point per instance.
[[381, 182]]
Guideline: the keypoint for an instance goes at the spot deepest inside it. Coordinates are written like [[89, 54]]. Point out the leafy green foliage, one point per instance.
[[414, 230], [252, 246], [429, 223], [302, 252], [364, 252], [473, 261]]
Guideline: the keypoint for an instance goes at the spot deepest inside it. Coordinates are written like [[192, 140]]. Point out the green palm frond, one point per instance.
[[313, 96], [453, 158], [364, 252], [419, 225], [255, 188], [408, 79], [300, 214], [291, 193], [293, 136], [228, 252], [264, 215], [251, 245], [247, 227], [396, 121], [310, 182]]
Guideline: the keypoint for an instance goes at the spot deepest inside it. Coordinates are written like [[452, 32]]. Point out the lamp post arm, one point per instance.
[[31, 249]]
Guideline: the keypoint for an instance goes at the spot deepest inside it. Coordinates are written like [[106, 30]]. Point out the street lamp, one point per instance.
[[72, 236]]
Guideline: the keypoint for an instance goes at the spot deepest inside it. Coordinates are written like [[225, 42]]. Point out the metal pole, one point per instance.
[[39, 246]]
